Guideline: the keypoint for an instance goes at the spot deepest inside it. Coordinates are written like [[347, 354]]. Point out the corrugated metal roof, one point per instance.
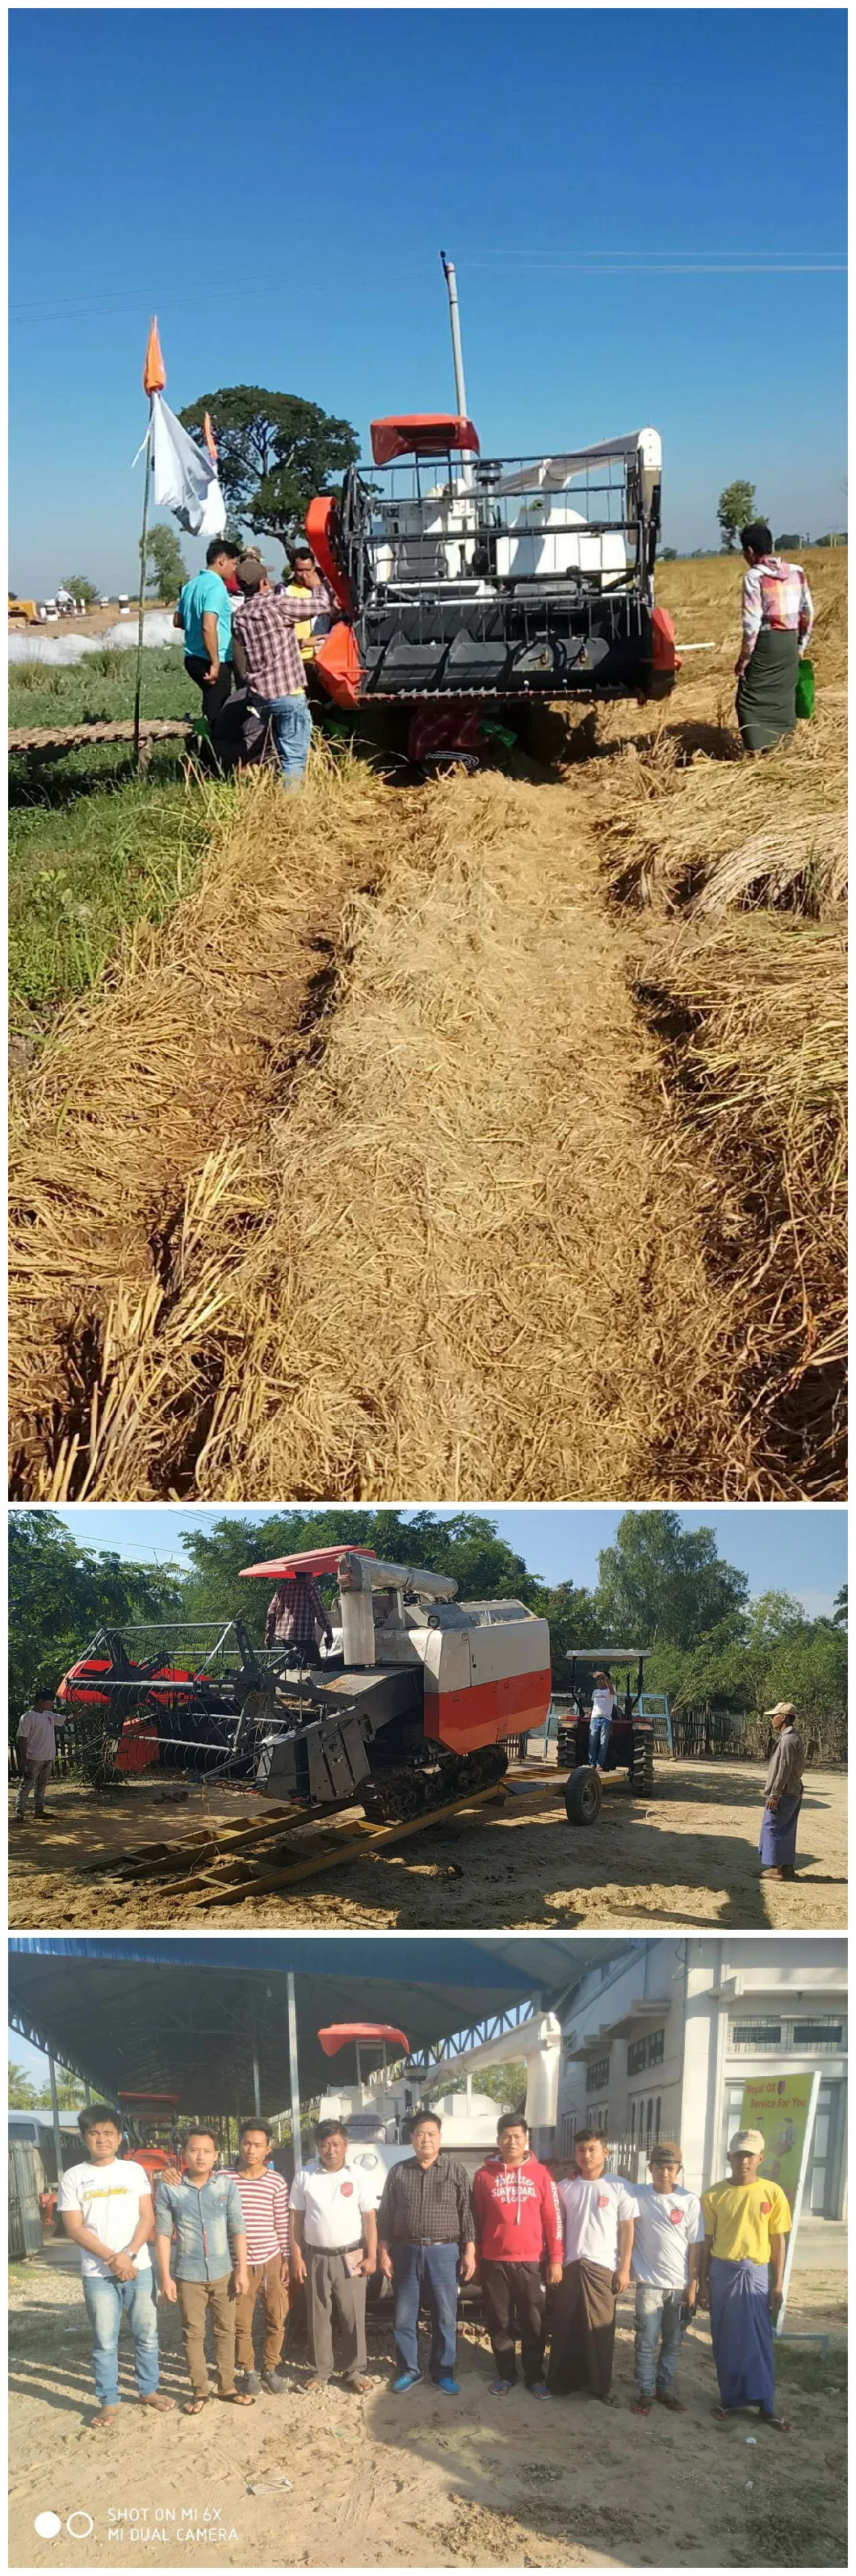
[[188, 2014]]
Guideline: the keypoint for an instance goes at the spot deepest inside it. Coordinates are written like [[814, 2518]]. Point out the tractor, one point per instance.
[[630, 1754]]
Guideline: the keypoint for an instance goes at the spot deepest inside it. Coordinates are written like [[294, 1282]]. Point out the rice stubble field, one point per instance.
[[478, 1137]]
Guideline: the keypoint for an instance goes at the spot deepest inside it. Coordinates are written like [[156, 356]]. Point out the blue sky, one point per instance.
[[783, 1548], [531, 145]]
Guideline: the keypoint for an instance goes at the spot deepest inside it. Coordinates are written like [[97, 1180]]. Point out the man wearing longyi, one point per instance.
[[746, 2222]]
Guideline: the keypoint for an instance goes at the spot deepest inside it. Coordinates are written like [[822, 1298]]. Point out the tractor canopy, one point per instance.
[[340, 2034]]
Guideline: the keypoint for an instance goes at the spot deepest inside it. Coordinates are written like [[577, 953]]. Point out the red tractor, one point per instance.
[[630, 1754]]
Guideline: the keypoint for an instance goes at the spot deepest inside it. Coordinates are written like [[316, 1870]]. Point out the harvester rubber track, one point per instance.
[[393, 1796]]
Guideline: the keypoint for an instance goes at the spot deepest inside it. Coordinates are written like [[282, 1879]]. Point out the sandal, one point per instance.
[[162, 2405], [360, 2387], [106, 2415], [664, 2398], [234, 2397], [194, 2405], [641, 2406]]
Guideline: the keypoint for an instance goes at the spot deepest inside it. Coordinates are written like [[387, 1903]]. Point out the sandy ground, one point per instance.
[[688, 1856], [425, 2481]]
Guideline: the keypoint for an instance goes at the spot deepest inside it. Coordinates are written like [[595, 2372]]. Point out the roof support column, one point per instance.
[[56, 2127], [293, 2073]]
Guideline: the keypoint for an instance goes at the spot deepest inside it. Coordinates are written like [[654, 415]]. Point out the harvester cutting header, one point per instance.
[[466, 577]]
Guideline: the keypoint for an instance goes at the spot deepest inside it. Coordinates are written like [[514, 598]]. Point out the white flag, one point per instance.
[[184, 479]]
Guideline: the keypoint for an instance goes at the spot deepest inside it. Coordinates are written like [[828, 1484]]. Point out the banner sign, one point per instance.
[[783, 2108]]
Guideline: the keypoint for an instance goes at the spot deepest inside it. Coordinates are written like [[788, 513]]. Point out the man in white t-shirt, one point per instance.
[[667, 2244], [106, 2204], [600, 1721], [333, 2224], [599, 2212], [36, 1741]]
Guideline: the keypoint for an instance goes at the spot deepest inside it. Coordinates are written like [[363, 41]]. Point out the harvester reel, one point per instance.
[[583, 1795]]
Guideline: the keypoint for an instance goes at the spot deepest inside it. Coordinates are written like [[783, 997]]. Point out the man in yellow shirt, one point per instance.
[[746, 2222]]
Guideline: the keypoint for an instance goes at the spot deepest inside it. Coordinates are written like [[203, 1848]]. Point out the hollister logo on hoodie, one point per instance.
[[517, 2212]]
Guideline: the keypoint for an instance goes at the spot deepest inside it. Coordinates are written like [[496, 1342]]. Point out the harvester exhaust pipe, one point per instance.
[[455, 319]]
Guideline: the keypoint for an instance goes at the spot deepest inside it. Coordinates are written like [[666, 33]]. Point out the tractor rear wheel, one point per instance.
[[642, 1765], [583, 1796], [566, 1748]]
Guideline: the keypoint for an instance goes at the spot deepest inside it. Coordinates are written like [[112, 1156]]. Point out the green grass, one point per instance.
[[92, 847]]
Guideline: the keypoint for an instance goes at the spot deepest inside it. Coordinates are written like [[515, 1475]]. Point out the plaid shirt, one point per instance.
[[293, 1613], [776, 593], [430, 2208], [266, 625]]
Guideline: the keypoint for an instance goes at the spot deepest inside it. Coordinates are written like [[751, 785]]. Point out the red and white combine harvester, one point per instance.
[[420, 1700], [471, 586]]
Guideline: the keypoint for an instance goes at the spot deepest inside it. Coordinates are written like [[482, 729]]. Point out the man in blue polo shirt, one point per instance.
[[204, 617]]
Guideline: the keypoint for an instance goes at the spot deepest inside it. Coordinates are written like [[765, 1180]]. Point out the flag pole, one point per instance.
[[142, 598]]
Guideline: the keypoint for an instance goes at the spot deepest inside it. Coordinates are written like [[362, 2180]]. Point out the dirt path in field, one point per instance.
[[429, 2482], [688, 1857], [376, 1208]]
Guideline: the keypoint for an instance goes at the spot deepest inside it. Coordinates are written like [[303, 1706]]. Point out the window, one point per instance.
[[649, 2051], [597, 2076], [633, 2119], [568, 2133], [818, 2034], [760, 2034]]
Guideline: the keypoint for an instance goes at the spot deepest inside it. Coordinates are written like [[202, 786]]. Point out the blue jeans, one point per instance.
[[429, 2271], [600, 1729], [658, 2312], [292, 725], [107, 2301]]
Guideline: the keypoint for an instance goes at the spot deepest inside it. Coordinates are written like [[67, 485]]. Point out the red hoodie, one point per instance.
[[517, 2212]]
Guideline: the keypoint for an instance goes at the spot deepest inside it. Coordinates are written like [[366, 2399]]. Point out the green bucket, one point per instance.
[[805, 689]]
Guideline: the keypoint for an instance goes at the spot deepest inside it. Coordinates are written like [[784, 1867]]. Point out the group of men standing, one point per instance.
[[241, 634], [553, 2258]]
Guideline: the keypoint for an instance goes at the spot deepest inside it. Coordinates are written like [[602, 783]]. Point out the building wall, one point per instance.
[[710, 2014]]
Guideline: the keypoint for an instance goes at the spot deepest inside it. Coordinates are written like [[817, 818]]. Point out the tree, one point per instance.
[[70, 2094], [22, 2091], [60, 1593], [662, 1584], [839, 1608], [734, 506], [506, 2085], [668, 554], [80, 588], [791, 538], [275, 451], [168, 569]]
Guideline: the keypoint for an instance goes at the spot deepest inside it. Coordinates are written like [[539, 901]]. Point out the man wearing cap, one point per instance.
[[783, 1792], [746, 2222], [267, 657], [668, 2236], [600, 1721]]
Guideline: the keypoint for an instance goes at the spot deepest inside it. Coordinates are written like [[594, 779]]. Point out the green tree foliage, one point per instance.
[[165, 565], [80, 588], [736, 505], [60, 1593], [839, 1608], [275, 452], [790, 539], [664, 1584], [23, 2095], [22, 2091], [505, 2085]]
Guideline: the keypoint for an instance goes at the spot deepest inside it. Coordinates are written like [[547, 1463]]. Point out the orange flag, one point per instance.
[[210, 440], [154, 371]]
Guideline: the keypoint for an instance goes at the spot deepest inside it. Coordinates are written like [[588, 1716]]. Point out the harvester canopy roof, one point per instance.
[[342, 2034], [422, 433], [188, 2013], [310, 1560]]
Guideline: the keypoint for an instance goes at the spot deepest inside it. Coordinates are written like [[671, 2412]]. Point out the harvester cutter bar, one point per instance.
[[214, 1888]]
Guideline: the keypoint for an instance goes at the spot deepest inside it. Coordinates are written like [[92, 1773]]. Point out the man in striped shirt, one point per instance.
[[263, 2195]]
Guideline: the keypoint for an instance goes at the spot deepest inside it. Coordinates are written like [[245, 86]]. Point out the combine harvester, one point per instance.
[[417, 1704], [473, 587]]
